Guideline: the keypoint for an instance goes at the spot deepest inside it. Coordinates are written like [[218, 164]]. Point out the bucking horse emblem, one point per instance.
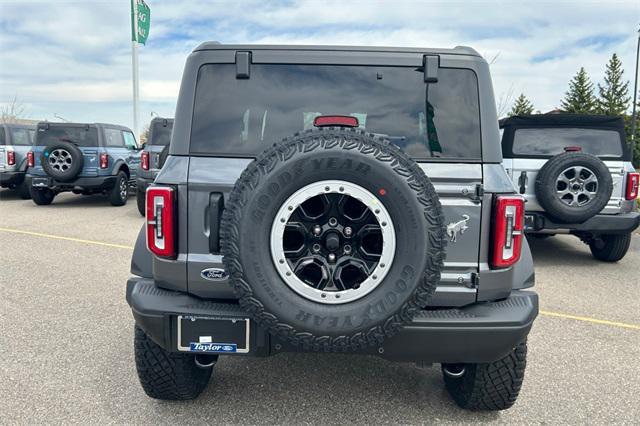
[[454, 228]]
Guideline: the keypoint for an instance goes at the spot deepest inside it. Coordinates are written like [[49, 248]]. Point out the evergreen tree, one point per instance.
[[522, 106], [613, 96], [580, 98]]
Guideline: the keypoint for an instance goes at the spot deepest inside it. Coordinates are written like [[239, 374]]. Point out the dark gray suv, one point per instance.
[[334, 199], [153, 156]]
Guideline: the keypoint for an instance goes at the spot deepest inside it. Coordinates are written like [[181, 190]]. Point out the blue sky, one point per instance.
[[73, 58]]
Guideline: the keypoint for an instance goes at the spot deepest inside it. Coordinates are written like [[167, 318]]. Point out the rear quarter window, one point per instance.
[[3, 138], [243, 117], [161, 134], [553, 141]]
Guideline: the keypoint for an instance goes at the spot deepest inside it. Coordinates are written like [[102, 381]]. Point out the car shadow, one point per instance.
[[320, 389], [9, 194], [561, 250]]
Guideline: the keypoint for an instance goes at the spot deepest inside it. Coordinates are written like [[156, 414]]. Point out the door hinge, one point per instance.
[[479, 192], [475, 280]]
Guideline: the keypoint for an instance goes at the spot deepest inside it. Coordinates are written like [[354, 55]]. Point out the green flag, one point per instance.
[[143, 22]]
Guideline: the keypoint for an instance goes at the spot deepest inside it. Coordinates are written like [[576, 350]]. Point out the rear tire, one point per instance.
[[140, 200], [490, 386], [167, 375], [42, 197], [120, 191], [24, 189], [610, 248]]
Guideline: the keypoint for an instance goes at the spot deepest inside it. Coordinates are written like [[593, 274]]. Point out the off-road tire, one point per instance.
[[611, 247], [490, 386], [42, 197], [289, 319], [77, 158], [24, 189], [115, 195], [167, 375], [141, 201], [545, 187]]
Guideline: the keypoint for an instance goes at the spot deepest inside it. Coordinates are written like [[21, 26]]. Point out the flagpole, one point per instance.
[[134, 64]]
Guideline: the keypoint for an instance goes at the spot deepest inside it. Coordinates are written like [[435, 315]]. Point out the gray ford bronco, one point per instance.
[[85, 159], [334, 199], [153, 156], [576, 175], [16, 141]]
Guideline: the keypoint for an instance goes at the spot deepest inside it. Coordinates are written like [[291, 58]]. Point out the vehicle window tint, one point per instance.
[[20, 137], [552, 141], [113, 138], [245, 116], [161, 134], [129, 140], [83, 136], [3, 139]]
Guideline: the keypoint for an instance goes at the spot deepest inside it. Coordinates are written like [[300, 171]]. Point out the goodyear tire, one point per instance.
[[488, 386], [167, 375], [330, 310], [62, 160], [573, 187]]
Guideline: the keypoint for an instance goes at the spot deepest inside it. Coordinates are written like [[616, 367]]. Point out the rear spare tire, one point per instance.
[[62, 161], [573, 187], [333, 239]]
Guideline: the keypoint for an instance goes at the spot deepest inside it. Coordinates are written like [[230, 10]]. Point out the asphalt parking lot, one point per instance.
[[67, 352]]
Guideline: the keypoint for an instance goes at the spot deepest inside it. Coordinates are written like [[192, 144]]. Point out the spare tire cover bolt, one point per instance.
[[331, 257], [317, 229], [333, 221], [347, 249], [316, 247], [348, 231]]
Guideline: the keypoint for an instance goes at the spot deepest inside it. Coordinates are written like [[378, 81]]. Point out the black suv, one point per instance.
[[334, 199]]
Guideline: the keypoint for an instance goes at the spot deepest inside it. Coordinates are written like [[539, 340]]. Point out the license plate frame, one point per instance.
[[41, 182], [218, 335]]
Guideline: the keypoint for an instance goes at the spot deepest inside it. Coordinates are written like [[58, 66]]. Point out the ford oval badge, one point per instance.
[[214, 274]]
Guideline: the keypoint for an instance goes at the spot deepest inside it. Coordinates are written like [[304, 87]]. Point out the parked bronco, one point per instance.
[[334, 199], [16, 141], [85, 159], [153, 156], [576, 174]]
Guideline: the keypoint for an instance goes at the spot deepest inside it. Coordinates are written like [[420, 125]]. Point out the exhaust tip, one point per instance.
[[455, 371], [205, 361]]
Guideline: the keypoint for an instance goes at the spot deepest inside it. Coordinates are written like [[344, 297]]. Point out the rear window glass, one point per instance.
[[80, 136], [552, 141], [160, 134], [20, 137], [245, 116], [3, 139]]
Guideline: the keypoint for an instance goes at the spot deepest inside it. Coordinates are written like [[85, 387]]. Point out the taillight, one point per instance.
[[144, 160], [104, 160], [11, 158], [633, 182], [161, 221], [507, 230], [335, 120], [31, 161]]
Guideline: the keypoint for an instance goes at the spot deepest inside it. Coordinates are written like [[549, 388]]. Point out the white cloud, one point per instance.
[[73, 57]]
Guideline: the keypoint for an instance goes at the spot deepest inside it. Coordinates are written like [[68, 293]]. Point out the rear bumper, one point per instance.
[[11, 178], [94, 183], [599, 224], [482, 332]]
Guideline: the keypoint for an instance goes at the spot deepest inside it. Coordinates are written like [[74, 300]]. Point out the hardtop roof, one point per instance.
[[108, 125], [458, 50], [563, 120]]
